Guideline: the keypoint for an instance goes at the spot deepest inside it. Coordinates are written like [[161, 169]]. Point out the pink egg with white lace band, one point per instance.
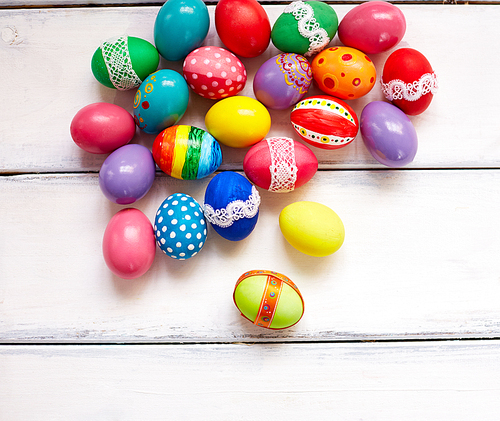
[[214, 73]]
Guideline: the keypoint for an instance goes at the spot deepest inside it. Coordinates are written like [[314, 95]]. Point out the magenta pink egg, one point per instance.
[[129, 244], [101, 127], [372, 27], [213, 72], [279, 164]]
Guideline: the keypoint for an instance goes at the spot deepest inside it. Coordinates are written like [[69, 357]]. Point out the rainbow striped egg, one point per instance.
[[186, 152]]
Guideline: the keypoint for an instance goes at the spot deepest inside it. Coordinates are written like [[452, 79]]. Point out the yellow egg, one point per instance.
[[312, 228], [238, 121]]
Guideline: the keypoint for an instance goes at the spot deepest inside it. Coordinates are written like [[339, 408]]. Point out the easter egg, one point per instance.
[[180, 227], [372, 27], [180, 27], [186, 152], [160, 101], [279, 164], [128, 245], [238, 121], [344, 72], [213, 72], [408, 81], [282, 80], [124, 62], [268, 299], [101, 127], [127, 174], [243, 26], [312, 228], [325, 122], [305, 28], [388, 134], [232, 205]]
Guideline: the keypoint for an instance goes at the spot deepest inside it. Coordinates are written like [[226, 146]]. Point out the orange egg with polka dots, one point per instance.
[[344, 72]]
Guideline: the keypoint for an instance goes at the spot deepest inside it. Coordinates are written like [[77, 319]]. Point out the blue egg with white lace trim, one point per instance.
[[232, 205]]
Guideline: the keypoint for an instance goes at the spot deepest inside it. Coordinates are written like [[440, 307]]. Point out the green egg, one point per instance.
[[291, 32], [125, 62]]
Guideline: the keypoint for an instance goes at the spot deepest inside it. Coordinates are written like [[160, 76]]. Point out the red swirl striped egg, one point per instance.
[[325, 122]]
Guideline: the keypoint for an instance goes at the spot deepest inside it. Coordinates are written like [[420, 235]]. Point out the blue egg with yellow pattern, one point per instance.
[[180, 227], [232, 205], [160, 101]]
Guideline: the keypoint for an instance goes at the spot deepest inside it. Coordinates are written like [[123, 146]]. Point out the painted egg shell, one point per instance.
[[282, 80], [279, 164], [243, 26], [409, 81], [160, 101], [232, 205], [238, 121], [268, 299], [186, 152], [128, 244], [180, 227], [372, 27], [214, 72], [124, 62], [325, 122], [127, 174], [292, 31], [180, 27], [344, 72], [312, 228], [101, 127], [388, 134]]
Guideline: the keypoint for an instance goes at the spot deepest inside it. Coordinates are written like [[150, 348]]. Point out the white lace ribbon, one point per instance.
[[283, 168], [117, 58], [238, 209], [413, 91], [308, 26]]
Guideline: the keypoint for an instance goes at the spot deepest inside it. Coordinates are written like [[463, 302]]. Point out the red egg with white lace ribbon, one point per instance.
[[409, 81]]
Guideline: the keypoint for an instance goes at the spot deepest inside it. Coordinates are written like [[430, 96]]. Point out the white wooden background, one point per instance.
[[402, 323]]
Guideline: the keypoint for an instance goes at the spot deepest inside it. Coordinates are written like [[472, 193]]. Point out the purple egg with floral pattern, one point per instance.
[[282, 80]]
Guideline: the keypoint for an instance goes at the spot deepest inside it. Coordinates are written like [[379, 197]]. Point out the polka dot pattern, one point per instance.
[[180, 227], [213, 72]]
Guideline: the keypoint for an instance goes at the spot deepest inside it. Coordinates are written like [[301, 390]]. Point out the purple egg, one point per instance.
[[282, 80], [127, 174], [388, 134]]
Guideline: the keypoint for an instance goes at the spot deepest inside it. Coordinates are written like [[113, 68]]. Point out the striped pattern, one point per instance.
[[186, 152]]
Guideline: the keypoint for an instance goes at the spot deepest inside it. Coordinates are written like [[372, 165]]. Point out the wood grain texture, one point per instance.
[[449, 381], [420, 259], [45, 62]]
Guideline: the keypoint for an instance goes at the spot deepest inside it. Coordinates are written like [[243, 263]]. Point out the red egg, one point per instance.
[[213, 72], [243, 26], [279, 164], [325, 122], [408, 81]]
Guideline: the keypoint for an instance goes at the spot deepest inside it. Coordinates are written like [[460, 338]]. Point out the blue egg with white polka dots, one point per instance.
[[180, 227]]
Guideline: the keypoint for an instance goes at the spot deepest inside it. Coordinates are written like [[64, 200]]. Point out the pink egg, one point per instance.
[[129, 244], [213, 72], [279, 164], [101, 127]]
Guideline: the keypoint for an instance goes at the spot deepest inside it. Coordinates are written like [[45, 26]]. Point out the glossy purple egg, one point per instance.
[[388, 134], [282, 80], [127, 174]]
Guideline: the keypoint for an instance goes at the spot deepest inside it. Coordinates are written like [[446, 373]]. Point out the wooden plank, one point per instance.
[[47, 80], [446, 381], [420, 259]]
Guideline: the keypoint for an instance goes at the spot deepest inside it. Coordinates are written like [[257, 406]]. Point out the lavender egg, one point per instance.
[[388, 134], [282, 80]]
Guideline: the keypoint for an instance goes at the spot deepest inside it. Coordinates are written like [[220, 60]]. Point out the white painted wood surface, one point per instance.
[[420, 260]]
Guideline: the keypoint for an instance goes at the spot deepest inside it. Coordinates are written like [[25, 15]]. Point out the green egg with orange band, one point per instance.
[[268, 299]]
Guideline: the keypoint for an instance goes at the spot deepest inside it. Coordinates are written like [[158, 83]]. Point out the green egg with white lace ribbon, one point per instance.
[[123, 62]]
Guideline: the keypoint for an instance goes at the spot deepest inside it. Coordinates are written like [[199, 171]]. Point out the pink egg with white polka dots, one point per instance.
[[214, 72]]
